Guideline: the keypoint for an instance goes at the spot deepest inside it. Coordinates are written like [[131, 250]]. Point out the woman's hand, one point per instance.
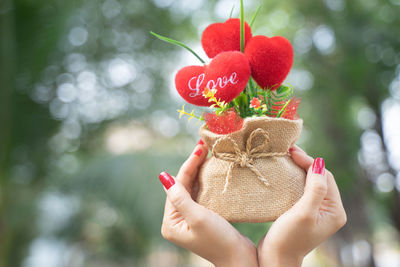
[[192, 226], [317, 215]]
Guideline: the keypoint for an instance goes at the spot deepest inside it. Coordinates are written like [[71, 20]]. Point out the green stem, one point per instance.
[[253, 87], [241, 26], [246, 105], [265, 98], [236, 105], [283, 109], [171, 41], [269, 103]]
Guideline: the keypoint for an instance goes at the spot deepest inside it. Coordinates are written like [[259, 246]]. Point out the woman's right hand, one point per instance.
[[194, 227], [316, 216]]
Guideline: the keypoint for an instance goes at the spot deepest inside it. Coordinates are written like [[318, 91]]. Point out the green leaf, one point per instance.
[[277, 100], [254, 16], [230, 15], [171, 41], [283, 89], [283, 93]]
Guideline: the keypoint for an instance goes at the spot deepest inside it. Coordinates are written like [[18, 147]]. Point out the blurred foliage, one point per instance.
[[88, 120]]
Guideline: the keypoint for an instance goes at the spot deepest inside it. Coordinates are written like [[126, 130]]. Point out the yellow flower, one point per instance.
[[207, 93], [191, 114]]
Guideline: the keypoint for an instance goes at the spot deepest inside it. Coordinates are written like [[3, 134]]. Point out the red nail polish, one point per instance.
[[200, 142], [198, 152], [318, 166], [166, 179], [291, 150]]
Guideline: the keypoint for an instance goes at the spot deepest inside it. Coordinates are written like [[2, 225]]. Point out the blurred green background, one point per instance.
[[88, 119]]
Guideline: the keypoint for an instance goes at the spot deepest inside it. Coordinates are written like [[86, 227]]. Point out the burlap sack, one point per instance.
[[250, 176]]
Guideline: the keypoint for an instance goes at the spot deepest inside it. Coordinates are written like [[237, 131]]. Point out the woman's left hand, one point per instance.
[[194, 227], [317, 215]]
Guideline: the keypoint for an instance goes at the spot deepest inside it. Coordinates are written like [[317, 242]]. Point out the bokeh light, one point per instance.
[[88, 120]]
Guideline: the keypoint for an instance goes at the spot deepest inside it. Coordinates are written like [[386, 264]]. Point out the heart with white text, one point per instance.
[[228, 73]]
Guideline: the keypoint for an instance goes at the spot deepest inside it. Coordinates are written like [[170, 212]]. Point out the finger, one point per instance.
[[333, 203], [301, 158], [333, 190], [316, 188], [180, 198], [297, 148], [190, 167], [304, 161]]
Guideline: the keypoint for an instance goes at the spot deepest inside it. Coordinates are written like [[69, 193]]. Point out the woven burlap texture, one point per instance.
[[250, 176]]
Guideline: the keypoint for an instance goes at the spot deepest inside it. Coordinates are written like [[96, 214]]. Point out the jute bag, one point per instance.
[[250, 176]]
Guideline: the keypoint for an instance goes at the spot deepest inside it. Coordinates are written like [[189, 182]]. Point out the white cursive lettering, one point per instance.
[[199, 81], [221, 82]]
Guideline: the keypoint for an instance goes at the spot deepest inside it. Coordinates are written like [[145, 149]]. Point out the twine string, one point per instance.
[[245, 158]]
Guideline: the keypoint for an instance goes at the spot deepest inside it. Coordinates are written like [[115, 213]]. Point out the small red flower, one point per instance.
[[255, 103]]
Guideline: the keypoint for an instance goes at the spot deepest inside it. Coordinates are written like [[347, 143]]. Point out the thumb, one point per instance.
[[180, 197], [316, 187]]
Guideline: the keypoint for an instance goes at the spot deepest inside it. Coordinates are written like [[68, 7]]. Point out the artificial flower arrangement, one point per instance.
[[250, 176]]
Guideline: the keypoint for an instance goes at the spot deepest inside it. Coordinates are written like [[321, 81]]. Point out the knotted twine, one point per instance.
[[245, 158]]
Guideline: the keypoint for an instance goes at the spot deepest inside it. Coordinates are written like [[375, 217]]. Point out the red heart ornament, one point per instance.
[[228, 73], [270, 60], [220, 37]]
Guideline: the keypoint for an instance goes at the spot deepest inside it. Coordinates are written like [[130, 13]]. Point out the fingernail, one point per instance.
[[166, 179], [198, 152], [318, 166], [292, 149], [200, 142]]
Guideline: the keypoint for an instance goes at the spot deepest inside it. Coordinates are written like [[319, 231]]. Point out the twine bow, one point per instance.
[[245, 158]]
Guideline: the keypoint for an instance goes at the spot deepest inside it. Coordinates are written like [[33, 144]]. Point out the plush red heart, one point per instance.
[[270, 60], [228, 73], [220, 37]]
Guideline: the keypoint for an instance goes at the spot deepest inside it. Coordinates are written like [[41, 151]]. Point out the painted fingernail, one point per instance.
[[200, 142], [318, 166], [198, 152], [166, 179], [292, 149]]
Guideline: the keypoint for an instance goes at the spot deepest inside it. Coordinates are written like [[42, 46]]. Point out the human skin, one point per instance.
[[198, 229], [315, 217]]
